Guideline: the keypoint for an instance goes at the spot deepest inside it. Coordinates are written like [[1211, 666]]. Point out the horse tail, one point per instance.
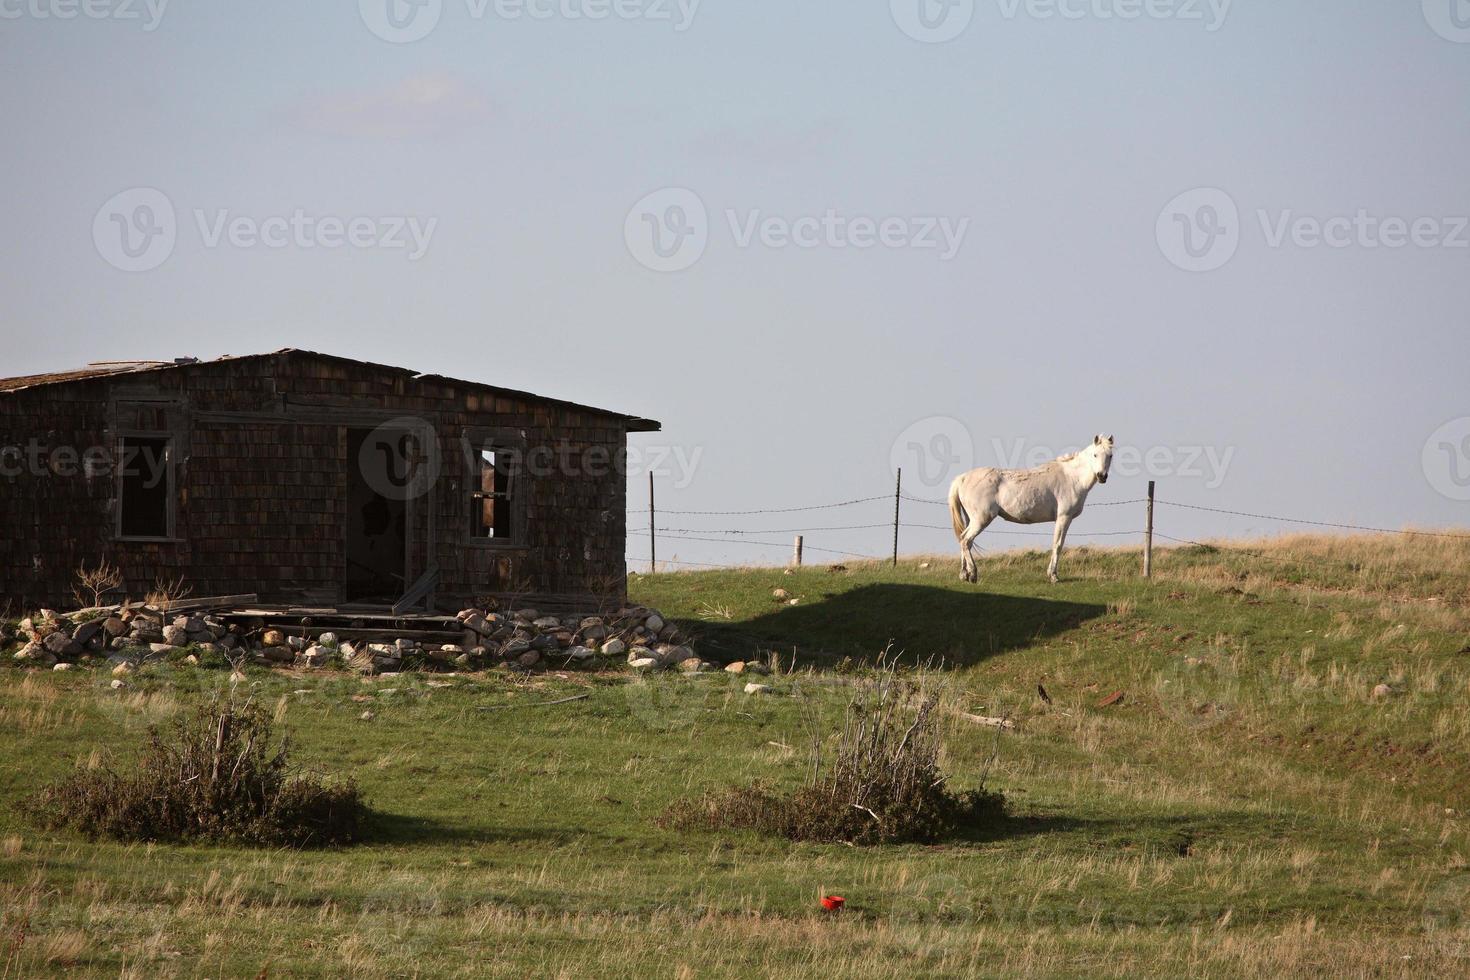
[[957, 510]]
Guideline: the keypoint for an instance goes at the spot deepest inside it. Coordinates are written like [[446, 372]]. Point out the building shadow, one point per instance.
[[917, 624]]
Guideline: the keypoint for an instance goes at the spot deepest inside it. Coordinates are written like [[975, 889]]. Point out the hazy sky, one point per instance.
[[975, 245]]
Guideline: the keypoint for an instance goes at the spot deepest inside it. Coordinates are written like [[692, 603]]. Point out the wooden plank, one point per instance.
[[419, 591], [180, 605]]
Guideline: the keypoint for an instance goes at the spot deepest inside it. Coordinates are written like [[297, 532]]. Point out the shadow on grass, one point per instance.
[[1176, 833], [923, 623], [398, 828]]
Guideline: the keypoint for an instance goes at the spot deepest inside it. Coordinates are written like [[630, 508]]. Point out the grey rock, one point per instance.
[[175, 635], [57, 643], [88, 631]]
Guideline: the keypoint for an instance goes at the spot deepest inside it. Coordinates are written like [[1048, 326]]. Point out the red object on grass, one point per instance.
[[832, 902]]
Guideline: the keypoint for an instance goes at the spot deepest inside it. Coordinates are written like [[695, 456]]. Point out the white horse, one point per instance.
[[1054, 491]]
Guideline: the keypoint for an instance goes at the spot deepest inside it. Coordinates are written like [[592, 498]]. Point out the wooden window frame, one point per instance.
[[481, 440], [172, 476]]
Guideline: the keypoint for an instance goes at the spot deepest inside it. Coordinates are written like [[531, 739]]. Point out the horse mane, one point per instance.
[[1066, 458]]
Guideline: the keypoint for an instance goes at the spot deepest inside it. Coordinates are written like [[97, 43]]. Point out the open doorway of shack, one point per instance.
[[377, 517]]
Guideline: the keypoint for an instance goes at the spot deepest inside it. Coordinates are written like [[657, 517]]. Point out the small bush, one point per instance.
[[884, 785], [214, 775]]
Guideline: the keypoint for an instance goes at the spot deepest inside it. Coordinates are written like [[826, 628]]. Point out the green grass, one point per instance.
[[1248, 807]]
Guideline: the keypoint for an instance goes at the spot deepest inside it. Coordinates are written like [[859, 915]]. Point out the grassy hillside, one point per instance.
[[1248, 805]]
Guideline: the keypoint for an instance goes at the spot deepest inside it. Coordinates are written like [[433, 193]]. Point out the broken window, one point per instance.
[[490, 496], [145, 495]]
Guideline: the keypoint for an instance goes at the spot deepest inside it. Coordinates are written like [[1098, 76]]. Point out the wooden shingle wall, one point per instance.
[[262, 473]]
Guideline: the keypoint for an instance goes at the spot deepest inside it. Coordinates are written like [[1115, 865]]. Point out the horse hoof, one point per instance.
[[1052, 579]]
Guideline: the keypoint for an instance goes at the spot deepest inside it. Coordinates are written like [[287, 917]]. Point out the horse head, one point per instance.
[[1100, 454]]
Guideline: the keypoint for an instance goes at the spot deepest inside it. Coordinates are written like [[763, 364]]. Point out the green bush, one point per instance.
[[217, 774], [884, 785]]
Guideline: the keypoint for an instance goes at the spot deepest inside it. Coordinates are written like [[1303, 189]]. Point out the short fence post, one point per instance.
[[1148, 535], [897, 496], [652, 544], [796, 557]]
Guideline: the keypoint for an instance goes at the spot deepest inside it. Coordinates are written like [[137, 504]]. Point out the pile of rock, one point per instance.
[[527, 640], [50, 638], [521, 640]]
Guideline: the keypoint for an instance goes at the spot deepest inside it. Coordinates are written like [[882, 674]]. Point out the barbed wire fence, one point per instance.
[[799, 547]]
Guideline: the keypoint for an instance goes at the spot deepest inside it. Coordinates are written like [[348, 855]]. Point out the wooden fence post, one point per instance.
[[897, 496], [1148, 535], [797, 556], [652, 544]]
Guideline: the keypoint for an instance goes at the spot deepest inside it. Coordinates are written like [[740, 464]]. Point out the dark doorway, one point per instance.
[[377, 515]]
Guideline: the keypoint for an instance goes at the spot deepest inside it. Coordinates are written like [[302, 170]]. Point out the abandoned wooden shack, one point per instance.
[[306, 478]]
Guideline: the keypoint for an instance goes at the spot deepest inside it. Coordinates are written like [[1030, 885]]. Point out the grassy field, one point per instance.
[[1248, 805]]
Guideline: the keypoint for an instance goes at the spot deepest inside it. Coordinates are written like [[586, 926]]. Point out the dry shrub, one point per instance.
[[95, 583], [884, 785], [217, 774]]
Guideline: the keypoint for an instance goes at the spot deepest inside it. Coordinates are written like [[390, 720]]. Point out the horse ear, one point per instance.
[[1097, 440]]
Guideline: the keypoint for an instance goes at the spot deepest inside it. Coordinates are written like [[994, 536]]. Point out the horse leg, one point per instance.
[[970, 571], [1058, 538]]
